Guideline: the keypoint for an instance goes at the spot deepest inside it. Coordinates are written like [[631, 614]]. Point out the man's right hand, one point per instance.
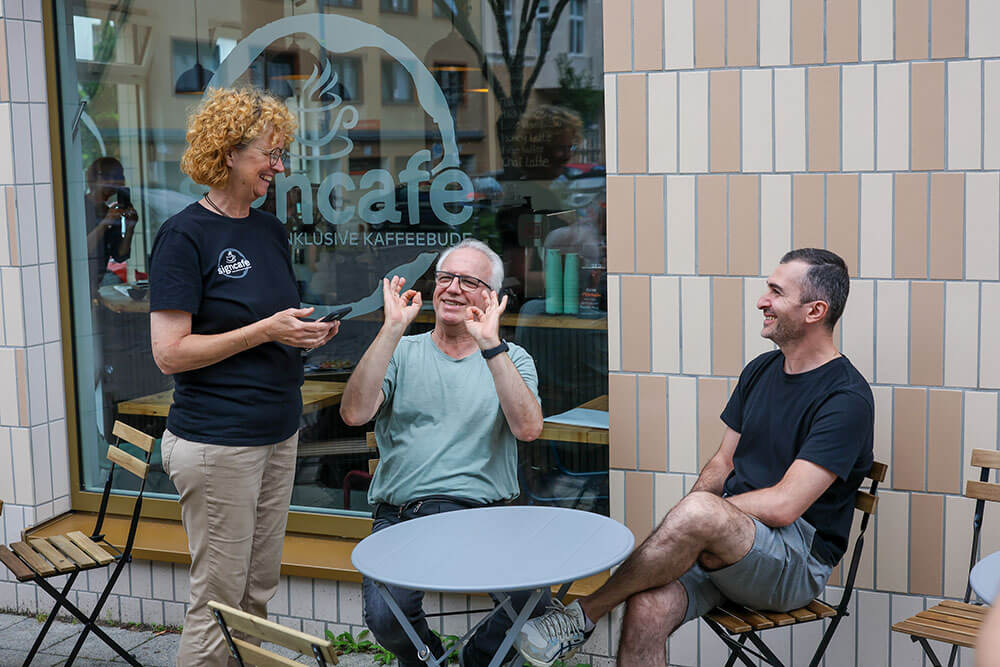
[[401, 308]]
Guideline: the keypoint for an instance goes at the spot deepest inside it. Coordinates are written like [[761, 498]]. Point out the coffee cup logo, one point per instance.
[[233, 264]]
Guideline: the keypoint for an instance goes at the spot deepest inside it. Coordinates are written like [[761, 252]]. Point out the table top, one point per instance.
[[985, 577], [117, 302], [315, 395], [493, 549], [584, 434]]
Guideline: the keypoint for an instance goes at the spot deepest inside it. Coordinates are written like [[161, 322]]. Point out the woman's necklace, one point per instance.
[[213, 205]]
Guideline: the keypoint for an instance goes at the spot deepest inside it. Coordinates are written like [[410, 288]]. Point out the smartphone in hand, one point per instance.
[[333, 315]]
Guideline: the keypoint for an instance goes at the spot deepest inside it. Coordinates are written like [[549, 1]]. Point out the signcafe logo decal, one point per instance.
[[233, 263]]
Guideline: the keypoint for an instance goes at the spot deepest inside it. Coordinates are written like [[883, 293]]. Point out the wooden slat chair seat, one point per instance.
[[736, 624], [38, 559], [950, 621], [246, 653]]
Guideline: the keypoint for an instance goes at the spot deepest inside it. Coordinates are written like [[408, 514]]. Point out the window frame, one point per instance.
[[389, 10]]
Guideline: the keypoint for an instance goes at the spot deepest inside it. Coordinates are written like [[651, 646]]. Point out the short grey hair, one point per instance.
[[496, 264]]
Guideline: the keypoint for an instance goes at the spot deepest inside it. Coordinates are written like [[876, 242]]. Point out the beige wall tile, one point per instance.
[[696, 343], [984, 25], [842, 31], [775, 220], [790, 116], [858, 113], [639, 504], [682, 424], [891, 332], [979, 428], [858, 327], [989, 323], [824, 118], [909, 437], [710, 31], [947, 28], [926, 543], [758, 147], [712, 225], [663, 122], [965, 133], [927, 333], [753, 343], [807, 31], [635, 323], [651, 396], [957, 542], [927, 116], [910, 225], [678, 18], [775, 32], [666, 343], [681, 224], [808, 202], [650, 227], [621, 418], [891, 541], [741, 32], [947, 214], [712, 396], [727, 326], [875, 251], [647, 35], [991, 114], [744, 224], [944, 441], [842, 217], [611, 122], [693, 121], [632, 139], [883, 428], [617, 38], [621, 224], [982, 234], [616, 489], [614, 324], [892, 95], [877, 34], [912, 31], [961, 334], [724, 121], [668, 491]]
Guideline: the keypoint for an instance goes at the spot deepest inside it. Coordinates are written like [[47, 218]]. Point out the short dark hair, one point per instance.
[[826, 280]]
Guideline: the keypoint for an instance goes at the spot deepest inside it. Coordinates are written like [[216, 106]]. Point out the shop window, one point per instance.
[[398, 6]]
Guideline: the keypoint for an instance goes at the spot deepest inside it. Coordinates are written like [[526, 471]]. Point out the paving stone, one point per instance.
[[96, 649], [159, 651], [7, 620], [22, 634], [16, 657]]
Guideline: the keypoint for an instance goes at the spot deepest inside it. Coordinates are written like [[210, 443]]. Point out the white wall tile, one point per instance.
[[34, 42], [37, 398], [892, 357], [858, 114], [693, 120], [775, 31], [843, 647], [882, 445], [682, 424], [40, 142], [678, 31], [45, 223], [350, 603], [13, 311], [41, 463], [24, 475], [17, 62], [957, 543], [141, 578], [279, 603], [611, 122], [757, 128], [805, 637], [7, 163], [20, 122], [961, 334], [892, 102], [27, 230], [33, 10], [979, 428], [696, 326], [60, 458], [682, 647], [8, 398], [54, 383], [775, 220], [300, 597], [681, 224], [665, 312], [614, 324], [6, 474], [753, 343], [892, 538], [49, 308], [904, 650], [989, 324], [790, 117], [32, 295], [984, 24], [616, 490], [873, 619], [991, 114], [982, 232], [711, 651], [858, 327], [668, 489], [662, 115], [964, 119], [875, 246], [877, 30]]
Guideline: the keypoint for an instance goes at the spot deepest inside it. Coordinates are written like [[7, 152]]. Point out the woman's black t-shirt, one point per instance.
[[229, 272]]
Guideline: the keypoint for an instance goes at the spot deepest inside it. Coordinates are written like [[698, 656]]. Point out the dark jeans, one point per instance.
[[385, 627]]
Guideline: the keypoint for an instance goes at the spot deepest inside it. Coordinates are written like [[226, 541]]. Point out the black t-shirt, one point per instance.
[[107, 247], [229, 273], [825, 416]]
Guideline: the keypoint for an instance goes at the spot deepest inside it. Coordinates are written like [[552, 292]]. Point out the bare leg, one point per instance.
[[702, 527], [650, 617]]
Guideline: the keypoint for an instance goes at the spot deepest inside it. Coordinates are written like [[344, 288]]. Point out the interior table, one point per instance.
[[985, 577], [315, 396], [490, 550]]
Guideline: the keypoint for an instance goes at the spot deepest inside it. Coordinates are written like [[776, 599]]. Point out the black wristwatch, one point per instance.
[[494, 351]]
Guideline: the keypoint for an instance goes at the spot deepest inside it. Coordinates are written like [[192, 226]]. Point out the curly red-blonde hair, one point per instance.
[[225, 119]]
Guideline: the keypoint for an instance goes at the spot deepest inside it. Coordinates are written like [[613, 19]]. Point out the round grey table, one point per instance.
[[985, 577], [491, 550]]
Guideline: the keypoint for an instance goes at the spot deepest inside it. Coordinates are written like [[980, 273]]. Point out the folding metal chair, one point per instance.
[[246, 653], [730, 619], [38, 559]]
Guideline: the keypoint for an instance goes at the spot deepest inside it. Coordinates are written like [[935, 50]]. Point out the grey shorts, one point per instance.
[[777, 574]]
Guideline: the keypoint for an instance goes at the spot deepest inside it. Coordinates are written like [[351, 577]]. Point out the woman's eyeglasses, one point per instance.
[[467, 283], [274, 156]]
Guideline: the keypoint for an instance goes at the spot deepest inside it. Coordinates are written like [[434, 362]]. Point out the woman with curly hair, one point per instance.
[[225, 322]]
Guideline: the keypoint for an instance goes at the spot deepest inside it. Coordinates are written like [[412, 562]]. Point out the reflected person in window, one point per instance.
[[449, 406], [225, 322], [109, 225]]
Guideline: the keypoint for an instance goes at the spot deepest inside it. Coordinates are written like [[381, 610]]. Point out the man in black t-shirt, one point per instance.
[[769, 516]]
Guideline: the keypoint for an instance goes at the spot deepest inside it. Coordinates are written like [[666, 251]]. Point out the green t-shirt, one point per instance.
[[441, 430]]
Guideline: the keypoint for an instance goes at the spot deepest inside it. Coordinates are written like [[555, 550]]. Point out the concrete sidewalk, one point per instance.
[[17, 634]]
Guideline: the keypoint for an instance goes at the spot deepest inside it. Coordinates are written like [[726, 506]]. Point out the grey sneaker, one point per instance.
[[555, 635]]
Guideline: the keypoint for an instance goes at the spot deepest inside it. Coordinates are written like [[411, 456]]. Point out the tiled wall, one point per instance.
[[739, 129]]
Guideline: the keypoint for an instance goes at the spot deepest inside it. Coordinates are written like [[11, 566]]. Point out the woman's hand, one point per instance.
[[484, 325], [286, 327], [401, 308]]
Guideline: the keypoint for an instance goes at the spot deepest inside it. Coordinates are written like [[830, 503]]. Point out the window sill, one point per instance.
[[313, 556]]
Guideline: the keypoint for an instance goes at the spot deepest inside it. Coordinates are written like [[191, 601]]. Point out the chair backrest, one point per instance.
[[265, 630], [370, 441], [987, 460], [134, 465], [866, 502]]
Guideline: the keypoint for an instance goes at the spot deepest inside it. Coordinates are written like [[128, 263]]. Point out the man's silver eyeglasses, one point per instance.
[[467, 283]]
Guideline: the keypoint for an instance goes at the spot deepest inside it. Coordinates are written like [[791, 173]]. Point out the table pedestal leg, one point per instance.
[[423, 651]]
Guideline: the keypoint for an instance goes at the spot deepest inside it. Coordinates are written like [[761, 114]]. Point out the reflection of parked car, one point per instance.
[[584, 186]]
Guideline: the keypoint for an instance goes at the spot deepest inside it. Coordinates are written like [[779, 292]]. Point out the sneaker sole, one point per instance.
[[541, 663]]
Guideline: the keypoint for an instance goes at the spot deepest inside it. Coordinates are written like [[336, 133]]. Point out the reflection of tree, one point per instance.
[[105, 43], [513, 100], [577, 91]]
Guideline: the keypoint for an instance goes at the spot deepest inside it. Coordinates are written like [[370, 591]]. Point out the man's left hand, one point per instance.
[[484, 325]]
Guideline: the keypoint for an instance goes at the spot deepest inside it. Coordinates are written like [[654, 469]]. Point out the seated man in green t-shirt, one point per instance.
[[449, 407]]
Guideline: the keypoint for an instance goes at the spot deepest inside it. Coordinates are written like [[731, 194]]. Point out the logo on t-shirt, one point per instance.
[[233, 263]]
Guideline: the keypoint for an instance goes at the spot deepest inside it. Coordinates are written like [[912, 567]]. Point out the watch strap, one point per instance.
[[494, 351]]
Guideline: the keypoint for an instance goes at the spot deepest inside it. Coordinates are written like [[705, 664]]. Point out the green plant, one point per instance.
[[346, 643]]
